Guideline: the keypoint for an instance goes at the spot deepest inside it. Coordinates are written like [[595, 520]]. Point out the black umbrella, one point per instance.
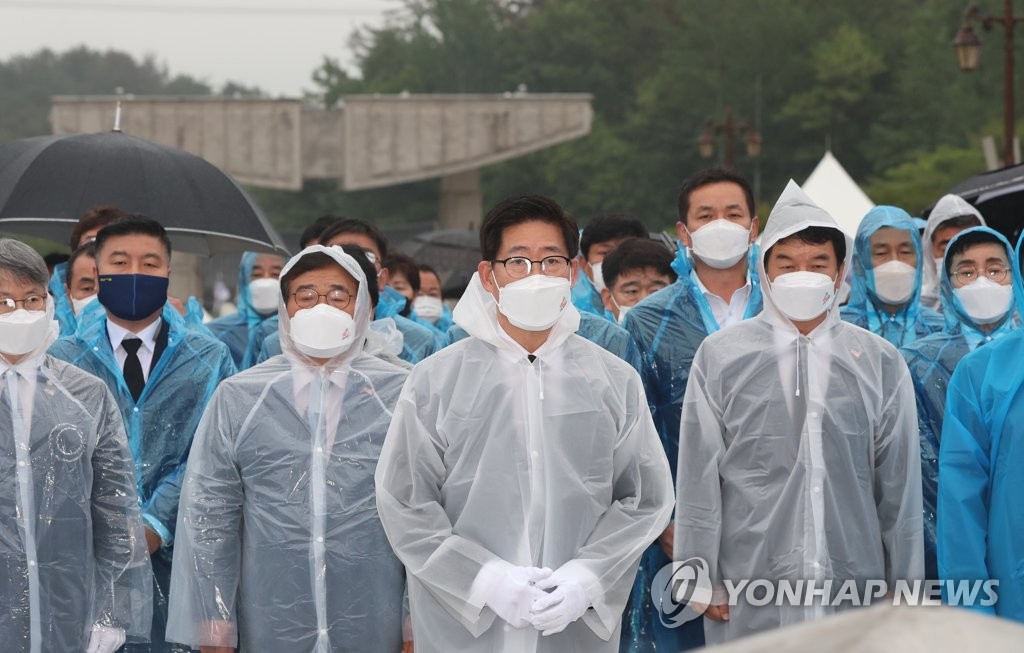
[[48, 182], [999, 196], [453, 253]]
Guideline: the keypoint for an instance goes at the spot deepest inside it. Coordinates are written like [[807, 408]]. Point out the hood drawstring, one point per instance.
[[798, 366]]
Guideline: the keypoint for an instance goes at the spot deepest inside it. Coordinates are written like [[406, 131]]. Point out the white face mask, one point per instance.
[[322, 331], [894, 281], [720, 243], [429, 308], [622, 312], [266, 295], [598, 279], [22, 331], [985, 300], [803, 296], [78, 305], [534, 303]]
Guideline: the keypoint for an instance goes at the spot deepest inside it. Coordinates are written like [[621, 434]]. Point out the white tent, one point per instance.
[[832, 188], [903, 629]]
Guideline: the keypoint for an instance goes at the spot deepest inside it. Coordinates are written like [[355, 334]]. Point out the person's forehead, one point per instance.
[[795, 248], [350, 238], [642, 274], [981, 252], [891, 235], [533, 235], [609, 244], [325, 276], [11, 285], [135, 244], [83, 265], [428, 279], [268, 261], [718, 195]]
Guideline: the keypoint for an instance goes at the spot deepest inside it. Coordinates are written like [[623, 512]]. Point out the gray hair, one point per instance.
[[22, 262]]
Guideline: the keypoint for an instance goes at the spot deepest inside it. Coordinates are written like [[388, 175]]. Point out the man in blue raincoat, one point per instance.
[[257, 300], [598, 239], [717, 286], [161, 372], [981, 455], [972, 254], [885, 294]]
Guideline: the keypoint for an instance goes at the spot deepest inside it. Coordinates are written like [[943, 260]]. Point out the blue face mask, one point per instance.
[[132, 297]]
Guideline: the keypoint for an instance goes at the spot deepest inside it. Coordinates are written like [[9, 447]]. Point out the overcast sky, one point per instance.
[[273, 44]]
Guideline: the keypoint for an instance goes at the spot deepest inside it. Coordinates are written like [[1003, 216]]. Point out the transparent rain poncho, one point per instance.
[[71, 539], [160, 424], [383, 340], [238, 330], [865, 309], [552, 464], [947, 208], [798, 455], [279, 545], [932, 360], [981, 458]]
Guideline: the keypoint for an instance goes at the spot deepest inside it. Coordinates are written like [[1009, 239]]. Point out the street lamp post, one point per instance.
[[968, 53], [731, 128]]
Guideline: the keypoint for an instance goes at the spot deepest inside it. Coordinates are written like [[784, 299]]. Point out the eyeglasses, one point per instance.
[[308, 298], [30, 303], [519, 267], [994, 273]]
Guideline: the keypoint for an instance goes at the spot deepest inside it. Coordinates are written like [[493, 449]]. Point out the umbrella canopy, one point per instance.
[[931, 629], [999, 196], [48, 182], [453, 253]]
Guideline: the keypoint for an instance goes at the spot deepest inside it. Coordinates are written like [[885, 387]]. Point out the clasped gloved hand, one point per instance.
[[565, 603], [105, 640], [515, 592]]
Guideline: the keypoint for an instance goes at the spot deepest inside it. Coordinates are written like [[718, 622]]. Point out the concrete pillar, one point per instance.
[[461, 205]]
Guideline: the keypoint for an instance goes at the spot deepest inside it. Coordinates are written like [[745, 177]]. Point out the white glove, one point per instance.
[[105, 640], [566, 603], [515, 592]]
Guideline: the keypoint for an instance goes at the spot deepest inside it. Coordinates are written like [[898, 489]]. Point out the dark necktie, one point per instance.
[[133, 367]]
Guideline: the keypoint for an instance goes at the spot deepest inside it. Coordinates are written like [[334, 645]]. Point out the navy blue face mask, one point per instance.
[[132, 297]]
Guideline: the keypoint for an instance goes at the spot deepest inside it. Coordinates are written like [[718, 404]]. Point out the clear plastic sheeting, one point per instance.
[[493, 459], [279, 546], [865, 308], [71, 538], [798, 455], [931, 361]]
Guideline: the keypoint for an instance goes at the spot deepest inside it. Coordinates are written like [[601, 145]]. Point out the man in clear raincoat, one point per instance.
[[75, 573], [279, 547], [976, 313], [798, 454], [522, 476]]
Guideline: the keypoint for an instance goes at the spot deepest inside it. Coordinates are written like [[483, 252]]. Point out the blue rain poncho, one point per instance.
[[668, 327], [490, 458], [932, 360], [606, 335], [238, 330], [981, 458], [161, 424], [63, 311], [947, 208], [864, 308], [587, 299], [279, 547], [798, 454], [74, 552]]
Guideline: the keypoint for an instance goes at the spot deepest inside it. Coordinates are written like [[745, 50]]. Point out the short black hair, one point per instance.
[[130, 225], [321, 260], [54, 258], [637, 254], [356, 226], [88, 249], [97, 216], [961, 222], [816, 236], [967, 240], [405, 266], [429, 270], [611, 226], [710, 176], [311, 234], [526, 208]]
